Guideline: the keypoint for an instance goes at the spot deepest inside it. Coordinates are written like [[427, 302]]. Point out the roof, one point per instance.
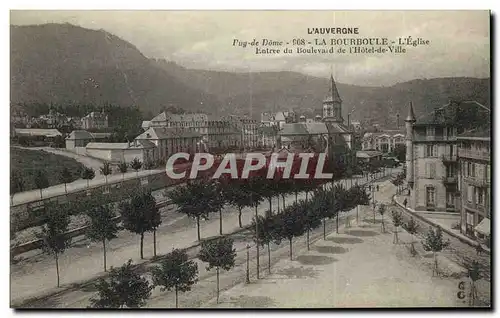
[[83, 134], [107, 145], [280, 116], [484, 227], [448, 112], [316, 128], [336, 128], [411, 114], [367, 153], [100, 135], [481, 133], [160, 117], [37, 132], [146, 124], [294, 129], [168, 133], [164, 116], [333, 95], [137, 144]]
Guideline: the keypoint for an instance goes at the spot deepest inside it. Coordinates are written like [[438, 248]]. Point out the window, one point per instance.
[[450, 199], [480, 196], [469, 169], [430, 196], [470, 193], [450, 132], [430, 151], [469, 224], [430, 170], [430, 131]]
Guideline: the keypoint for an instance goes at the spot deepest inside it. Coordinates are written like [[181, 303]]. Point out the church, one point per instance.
[[324, 134]]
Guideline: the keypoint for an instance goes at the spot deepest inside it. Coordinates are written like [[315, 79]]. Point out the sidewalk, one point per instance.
[[442, 220], [80, 263]]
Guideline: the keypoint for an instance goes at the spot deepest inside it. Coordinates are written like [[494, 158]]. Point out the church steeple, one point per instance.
[[334, 93], [332, 105]]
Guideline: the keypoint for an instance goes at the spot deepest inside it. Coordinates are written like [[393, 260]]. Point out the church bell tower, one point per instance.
[[332, 105]]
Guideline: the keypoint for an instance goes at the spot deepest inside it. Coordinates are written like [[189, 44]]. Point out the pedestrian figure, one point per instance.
[[405, 202], [377, 187]]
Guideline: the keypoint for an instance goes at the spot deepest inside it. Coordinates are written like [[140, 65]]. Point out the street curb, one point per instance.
[[431, 223]]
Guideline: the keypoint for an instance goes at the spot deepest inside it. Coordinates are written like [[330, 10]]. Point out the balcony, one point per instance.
[[449, 159], [450, 180], [474, 154], [478, 182], [420, 138]]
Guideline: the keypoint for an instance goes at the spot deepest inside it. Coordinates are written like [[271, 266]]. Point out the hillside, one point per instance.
[[284, 90], [64, 63]]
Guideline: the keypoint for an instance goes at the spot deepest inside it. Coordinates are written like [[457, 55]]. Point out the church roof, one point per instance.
[[333, 95], [411, 114], [336, 128]]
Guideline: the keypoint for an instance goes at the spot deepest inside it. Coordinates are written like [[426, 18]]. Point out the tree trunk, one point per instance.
[[41, 196], [307, 193], [154, 242], [257, 239], [176, 297], [239, 217], [57, 268], [269, 257], [373, 215], [123, 177], [337, 223], [296, 196], [104, 249], [357, 214], [106, 178], [290, 240], [270, 206], [435, 265], [283, 197], [307, 239], [383, 225], [217, 270], [88, 185], [198, 227], [324, 228], [65, 188], [278, 204], [142, 245], [220, 221]]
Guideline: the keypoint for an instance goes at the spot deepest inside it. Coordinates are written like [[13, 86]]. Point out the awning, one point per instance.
[[483, 227]]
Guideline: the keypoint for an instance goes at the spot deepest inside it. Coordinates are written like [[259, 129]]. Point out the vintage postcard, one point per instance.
[[250, 159]]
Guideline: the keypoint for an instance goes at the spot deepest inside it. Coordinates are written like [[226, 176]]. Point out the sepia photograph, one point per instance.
[[250, 159]]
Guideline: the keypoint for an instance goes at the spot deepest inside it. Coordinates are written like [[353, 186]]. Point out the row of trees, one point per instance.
[[177, 273], [17, 183], [138, 215]]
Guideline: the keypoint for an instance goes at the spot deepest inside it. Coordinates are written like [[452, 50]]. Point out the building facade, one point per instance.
[[169, 140], [431, 161], [95, 120], [385, 141], [475, 183]]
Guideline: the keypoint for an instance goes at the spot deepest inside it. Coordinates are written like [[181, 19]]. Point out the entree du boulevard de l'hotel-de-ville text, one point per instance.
[[343, 40]]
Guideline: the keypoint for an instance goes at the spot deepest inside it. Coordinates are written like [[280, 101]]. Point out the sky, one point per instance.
[[459, 40]]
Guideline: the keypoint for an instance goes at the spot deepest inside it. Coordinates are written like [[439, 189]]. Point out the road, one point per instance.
[[34, 277], [383, 281]]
